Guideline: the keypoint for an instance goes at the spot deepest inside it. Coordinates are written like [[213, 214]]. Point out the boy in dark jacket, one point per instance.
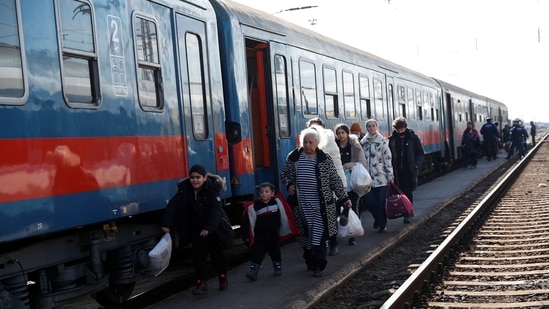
[[196, 210]]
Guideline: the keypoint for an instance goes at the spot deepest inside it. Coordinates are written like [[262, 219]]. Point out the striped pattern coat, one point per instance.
[[329, 183]]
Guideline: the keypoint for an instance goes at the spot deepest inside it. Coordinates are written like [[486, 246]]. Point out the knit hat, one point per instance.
[[355, 127]]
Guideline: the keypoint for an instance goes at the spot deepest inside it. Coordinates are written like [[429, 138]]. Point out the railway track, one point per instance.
[[497, 256], [505, 264]]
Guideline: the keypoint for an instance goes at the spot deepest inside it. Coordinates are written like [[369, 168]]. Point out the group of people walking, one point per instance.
[[311, 178], [314, 177], [512, 137]]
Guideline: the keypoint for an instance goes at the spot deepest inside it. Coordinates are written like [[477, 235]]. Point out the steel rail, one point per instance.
[[418, 284]]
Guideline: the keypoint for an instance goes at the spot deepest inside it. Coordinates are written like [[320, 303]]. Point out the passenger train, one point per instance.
[[104, 105]]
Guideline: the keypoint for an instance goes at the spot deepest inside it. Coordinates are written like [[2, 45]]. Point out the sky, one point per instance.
[[495, 48]]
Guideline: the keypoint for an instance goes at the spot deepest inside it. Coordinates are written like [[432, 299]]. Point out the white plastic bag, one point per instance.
[[159, 256], [361, 182], [353, 228]]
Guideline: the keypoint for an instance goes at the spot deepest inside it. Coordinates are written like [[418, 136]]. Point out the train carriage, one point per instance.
[[103, 106], [463, 106], [278, 75]]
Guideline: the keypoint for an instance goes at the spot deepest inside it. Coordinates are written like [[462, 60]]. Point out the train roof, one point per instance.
[[251, 20], [450, 87]]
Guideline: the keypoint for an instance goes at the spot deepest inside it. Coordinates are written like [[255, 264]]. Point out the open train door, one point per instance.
[[451, 126], [261, 112]]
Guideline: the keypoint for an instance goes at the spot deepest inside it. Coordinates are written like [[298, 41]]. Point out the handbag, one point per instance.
[[397, 205], [351, 228]]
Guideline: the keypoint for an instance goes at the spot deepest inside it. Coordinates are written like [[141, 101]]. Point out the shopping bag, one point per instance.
[[349, 226], [361, 182], [159, 256], [397, 205], [348, 178]]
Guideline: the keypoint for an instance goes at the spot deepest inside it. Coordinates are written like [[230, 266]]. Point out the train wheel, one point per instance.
[[114, 295]]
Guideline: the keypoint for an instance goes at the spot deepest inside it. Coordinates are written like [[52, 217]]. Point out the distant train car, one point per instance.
[[463, 106], [103, 106], [278, 75]]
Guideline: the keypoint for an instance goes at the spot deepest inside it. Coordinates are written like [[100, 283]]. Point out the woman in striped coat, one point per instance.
[[311, 178]]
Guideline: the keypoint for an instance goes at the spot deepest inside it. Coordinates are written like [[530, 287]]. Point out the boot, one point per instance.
[[253, 272], [223, 282], [320, 267], [201, 288], [277, 268]]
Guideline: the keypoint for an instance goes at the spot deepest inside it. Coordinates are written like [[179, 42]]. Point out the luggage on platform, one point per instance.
[[397, 205]]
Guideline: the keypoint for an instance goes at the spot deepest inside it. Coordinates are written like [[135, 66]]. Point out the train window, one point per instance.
[[426, 101], [392, 98], [349, 95], [308, 88], [330, 93], [282, 95], [149, 78], [195, 71], [378, 99], [411, 104], [11, 81], [401, 95], [80, 68], [419, 104], [365, 105]]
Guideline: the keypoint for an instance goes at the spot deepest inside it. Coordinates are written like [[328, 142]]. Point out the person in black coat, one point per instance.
[[407, 156], [197, 212], [533, 133], [490, 133], [518, 138], [469, 143]]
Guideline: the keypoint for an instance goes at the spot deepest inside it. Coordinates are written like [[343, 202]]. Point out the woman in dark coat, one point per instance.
[[311, 178], [197, 212], [407, 156], [469, 142]]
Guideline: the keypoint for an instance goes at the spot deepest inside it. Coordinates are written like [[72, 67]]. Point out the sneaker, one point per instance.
[[200, 289], [382, 229], [406, 220], [318, 273], [277, 266], [352, 241], [223, 282], [253, 272]]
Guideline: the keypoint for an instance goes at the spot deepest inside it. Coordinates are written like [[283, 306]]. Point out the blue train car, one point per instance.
[[278, 75], [103, 107]]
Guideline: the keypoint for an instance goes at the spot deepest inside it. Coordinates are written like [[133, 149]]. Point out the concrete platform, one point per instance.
[[297, 288]]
